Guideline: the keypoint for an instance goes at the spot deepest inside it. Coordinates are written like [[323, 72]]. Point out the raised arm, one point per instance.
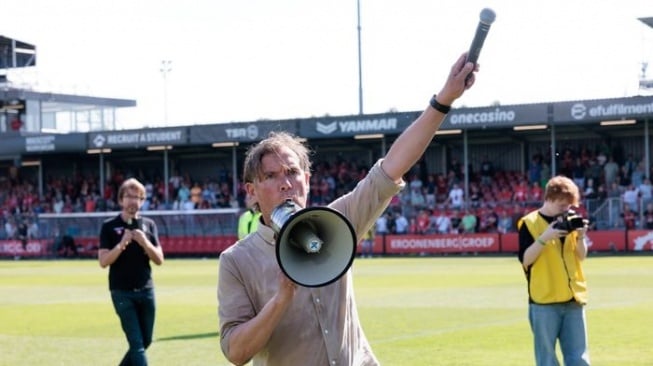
[[412, 143]]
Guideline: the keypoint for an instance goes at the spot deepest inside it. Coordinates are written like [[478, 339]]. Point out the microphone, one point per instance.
[[134, 223], [487, 17]]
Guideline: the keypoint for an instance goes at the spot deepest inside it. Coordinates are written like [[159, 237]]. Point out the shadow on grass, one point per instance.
[[189, 336]]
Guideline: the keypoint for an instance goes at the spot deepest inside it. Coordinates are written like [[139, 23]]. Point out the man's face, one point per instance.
[[560, 206], [131, 201], [282, 179]]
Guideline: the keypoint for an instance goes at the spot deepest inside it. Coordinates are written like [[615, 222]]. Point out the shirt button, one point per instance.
[[333, 362], [326, 331], [317, 300]]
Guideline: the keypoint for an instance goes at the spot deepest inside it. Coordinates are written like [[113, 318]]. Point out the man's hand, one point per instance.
[[457, 81]]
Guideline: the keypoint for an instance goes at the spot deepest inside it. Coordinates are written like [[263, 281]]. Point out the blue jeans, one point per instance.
[[565, 322], [136, 311], [368, 247]]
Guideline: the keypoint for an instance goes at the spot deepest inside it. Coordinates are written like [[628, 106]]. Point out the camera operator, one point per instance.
[[551, 248]]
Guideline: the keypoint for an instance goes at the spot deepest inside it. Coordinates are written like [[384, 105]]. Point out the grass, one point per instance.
[[415, 311]]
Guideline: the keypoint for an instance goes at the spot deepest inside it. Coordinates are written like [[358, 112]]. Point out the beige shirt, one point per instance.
[[321, 327]]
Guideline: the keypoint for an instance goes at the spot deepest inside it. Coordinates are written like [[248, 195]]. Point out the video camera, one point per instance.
[[570, 221]]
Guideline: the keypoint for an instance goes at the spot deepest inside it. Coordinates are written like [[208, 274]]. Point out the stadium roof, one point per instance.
[[51, 102], [14, 53], [18, 54], [648, 21]]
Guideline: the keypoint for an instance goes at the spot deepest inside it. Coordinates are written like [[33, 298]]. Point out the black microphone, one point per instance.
[[486, 19], [134, 223]]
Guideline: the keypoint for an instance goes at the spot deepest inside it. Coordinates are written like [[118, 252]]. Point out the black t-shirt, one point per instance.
[[487, 169], [455, 222], [22, 230], [132, 268]]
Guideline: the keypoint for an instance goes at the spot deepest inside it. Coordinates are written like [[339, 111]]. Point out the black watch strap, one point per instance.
[[439, 107]]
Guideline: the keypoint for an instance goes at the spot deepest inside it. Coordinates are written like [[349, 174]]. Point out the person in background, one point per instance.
[[64, 244], [381, 225], [267, 318], [367, 245], [10, 227], [648, 216], [610, 171], [628, 218], [32, 229], [128, 243], [443, 222], [646, 191], [557, 289], [487, 170], [402, 225], [630, 198], [469, 222], [456, 197], [423, 222], [249, 219], [21, 233], [455, 220], [505, 222]]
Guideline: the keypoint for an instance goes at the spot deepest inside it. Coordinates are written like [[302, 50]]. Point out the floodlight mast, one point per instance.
[[166, 67], [644, 83], [360, 61]]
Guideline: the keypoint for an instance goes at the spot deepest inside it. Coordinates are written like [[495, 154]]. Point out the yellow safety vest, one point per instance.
[[556, 276], [247, 223]]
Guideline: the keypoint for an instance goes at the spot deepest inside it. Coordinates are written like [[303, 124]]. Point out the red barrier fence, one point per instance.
[[87, 247], [599, 241]]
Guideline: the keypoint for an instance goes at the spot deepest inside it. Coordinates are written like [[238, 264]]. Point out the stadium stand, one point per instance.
[[68, 182]]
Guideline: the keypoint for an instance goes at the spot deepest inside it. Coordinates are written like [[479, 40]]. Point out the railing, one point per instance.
[[606, 241], [607, 214], [223, 222], [206, 223]]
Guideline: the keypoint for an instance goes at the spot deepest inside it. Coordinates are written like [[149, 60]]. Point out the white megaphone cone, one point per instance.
[[315, 246]]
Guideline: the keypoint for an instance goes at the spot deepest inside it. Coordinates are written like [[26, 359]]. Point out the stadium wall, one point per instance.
[[614, 241]]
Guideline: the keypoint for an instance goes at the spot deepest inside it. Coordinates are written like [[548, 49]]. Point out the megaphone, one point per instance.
[[315, 246]]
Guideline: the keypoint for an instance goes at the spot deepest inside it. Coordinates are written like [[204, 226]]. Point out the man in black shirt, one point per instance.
[[487, 170], [21, 233], [128, 243]]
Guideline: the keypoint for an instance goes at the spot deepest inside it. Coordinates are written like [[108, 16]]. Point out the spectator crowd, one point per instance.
[[431, 203]]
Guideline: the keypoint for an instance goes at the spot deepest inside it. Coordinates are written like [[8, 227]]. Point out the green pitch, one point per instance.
[[415, 311]]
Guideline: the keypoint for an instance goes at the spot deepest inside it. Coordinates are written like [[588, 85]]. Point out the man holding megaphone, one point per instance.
[[271, 311]]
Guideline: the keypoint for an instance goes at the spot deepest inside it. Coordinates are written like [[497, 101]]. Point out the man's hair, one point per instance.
[[129, 184], [562, 188], [253, 170]]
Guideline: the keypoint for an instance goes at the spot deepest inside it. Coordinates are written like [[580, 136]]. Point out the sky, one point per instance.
[[249, 60]]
